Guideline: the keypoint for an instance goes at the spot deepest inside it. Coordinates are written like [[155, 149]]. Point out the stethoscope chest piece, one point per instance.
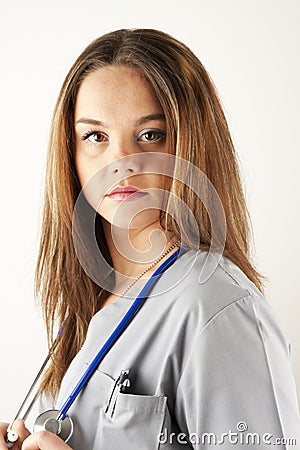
[[48, 421]]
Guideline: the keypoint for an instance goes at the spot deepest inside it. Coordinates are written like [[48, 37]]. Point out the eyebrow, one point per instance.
[[141, 121], [148, 118]]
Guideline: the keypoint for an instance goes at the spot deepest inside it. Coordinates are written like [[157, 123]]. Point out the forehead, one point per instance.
[[113, 88]]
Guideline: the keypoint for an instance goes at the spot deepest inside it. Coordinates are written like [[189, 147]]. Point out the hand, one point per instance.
[[19, 427], [44, 440]]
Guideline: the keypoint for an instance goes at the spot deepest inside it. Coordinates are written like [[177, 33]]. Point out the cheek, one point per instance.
[[160, 181], [93, 181], [85, 168], [79, 166]]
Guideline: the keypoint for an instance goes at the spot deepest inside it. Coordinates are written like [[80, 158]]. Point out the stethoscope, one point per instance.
[[56, 420]]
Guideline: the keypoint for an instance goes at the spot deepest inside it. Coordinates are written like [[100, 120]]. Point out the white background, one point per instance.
[[251, 50]]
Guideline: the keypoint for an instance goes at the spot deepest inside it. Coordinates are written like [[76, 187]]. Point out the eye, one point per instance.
[[95, 137], [152, 136]]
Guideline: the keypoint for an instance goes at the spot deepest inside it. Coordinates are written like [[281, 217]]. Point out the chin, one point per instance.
[[140, 220]]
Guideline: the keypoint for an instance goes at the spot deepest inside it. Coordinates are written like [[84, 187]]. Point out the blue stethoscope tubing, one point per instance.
[[61, 414], [120, 328]]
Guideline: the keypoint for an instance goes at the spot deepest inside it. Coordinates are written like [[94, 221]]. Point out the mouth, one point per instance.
[[129, 193]]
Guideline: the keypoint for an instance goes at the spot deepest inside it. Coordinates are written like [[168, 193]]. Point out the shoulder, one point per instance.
[[200, 278], [201, 286], [209, 276]]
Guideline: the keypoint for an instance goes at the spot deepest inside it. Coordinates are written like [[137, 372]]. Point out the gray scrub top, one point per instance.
[[209, 368]]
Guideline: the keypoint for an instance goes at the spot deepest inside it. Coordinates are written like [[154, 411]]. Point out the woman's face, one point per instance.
[[117, 114]]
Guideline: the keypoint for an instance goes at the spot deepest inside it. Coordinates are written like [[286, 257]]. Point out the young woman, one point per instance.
[[143, 184]]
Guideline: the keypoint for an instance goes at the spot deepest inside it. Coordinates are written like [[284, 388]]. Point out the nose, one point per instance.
[[125, 159], [125, 165]]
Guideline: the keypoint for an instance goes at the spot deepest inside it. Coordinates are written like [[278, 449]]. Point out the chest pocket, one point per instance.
[[133, 422]]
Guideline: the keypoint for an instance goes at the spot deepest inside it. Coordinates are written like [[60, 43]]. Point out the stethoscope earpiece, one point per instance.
[[11, 437], [48, 421]]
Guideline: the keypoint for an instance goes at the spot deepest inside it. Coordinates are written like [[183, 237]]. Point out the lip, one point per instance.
[[123, 189], [129, 193]]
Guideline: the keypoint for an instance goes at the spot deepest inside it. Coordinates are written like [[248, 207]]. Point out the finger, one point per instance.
[[20, 428], [44, 440], [3, 427], [3, 431], [3, 438]]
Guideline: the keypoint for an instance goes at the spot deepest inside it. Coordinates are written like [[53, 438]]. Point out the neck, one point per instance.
[[131, 251]]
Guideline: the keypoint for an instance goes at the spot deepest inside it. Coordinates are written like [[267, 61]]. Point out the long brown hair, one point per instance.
[[197, 131]]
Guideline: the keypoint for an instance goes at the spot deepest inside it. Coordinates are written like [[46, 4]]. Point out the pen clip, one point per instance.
[[121, 383]]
